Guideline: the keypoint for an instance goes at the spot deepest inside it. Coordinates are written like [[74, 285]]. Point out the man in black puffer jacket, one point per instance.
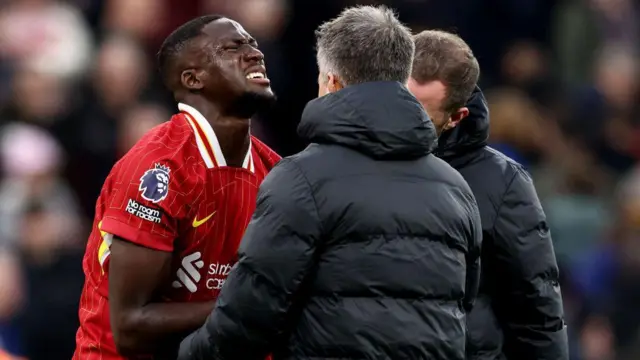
[[518, 314], [365, 245]]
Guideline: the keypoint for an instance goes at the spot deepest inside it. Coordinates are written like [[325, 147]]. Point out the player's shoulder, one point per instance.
[[171, 141], [268, 155], [171, 138], [168, 150]]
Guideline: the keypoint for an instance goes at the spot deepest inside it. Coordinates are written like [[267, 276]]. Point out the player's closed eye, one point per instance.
[[239, 44]]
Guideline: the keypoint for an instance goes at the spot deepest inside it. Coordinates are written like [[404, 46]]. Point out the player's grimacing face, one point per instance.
[[235, 65]]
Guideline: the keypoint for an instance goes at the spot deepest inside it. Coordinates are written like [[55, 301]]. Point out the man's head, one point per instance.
[[214, 57], [444, 74], [363, 44]]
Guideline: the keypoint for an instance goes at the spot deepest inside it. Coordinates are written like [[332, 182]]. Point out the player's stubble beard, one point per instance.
[[250, 103]]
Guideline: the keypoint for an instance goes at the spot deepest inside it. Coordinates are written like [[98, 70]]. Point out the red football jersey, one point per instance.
[[171, 192]]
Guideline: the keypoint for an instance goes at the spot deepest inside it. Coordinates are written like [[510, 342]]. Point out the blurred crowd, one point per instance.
[[78, 87]]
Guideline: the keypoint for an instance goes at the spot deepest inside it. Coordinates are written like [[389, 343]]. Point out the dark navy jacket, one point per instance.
[[363, 246]]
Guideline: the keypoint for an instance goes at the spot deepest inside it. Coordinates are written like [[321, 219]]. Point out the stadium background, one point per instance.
[[78, 87]]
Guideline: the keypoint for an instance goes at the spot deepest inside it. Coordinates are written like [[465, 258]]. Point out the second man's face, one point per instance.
[[431, 95]]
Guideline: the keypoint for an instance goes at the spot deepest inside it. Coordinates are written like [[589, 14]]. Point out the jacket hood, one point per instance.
[[380, 119], [472, 133]]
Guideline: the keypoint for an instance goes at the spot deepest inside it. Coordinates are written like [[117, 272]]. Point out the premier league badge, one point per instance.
[[154, 183]]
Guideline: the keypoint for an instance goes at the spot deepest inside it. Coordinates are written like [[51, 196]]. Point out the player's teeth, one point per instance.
[[255, 75]]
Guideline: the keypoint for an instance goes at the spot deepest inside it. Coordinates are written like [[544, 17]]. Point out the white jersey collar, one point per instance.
[[207, 141]]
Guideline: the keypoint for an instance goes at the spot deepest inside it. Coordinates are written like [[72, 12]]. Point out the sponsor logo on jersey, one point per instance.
[[189, 273], [190, 265], [154, 183], [216, 275], [197, 222], [144, 212]]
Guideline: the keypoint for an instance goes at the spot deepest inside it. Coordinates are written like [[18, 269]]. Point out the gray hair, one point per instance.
[[363, 44]]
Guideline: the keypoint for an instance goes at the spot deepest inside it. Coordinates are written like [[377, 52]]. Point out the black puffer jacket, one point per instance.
[[360, 246], [518, 314]]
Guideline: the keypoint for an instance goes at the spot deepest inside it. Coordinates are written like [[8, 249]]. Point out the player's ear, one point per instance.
[[192, 79]]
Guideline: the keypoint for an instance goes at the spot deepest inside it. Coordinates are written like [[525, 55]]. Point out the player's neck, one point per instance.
[[234, 137], [233, 133]]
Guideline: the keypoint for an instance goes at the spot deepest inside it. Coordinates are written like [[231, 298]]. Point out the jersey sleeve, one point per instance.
[[144, 202]]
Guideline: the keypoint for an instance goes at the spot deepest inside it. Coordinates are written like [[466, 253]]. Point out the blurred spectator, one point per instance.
[[52, 267], [582, 27], [38, 98], [625, 287], [616, 77], [10, 287], [32, 161], [603, 116], [120, 78], [525, 65], [11, 296], [125, 17], [137, 121], [265, 18], [120, 75], [575, 39], [618, 22], [597, 339], [606, 278], [515, 124], [45, 35]]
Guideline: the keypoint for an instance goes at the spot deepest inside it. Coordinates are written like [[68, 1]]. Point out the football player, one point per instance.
[[173, 210]]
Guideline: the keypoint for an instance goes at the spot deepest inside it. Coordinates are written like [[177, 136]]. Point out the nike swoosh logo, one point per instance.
[[197, 222]]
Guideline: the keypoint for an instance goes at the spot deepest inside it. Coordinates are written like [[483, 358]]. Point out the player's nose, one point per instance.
[[254, 55]]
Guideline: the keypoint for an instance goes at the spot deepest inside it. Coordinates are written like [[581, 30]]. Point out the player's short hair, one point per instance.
[[444, 56], [363, 44], [177, 40]]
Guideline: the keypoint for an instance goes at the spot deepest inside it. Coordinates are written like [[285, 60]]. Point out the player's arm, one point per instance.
[[144, 206], [139, 324], [528, 302], [277, 252]]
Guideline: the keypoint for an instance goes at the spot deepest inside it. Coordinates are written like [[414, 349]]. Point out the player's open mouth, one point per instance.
[[258, 77]]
